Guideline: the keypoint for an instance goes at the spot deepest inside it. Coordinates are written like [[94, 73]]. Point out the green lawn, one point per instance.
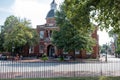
[[81, 78]]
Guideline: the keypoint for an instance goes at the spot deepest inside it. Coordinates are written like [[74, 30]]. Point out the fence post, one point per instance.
[[101, 72]]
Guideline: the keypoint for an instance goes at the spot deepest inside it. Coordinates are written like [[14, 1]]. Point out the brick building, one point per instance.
[[45, 45], [112, 48]]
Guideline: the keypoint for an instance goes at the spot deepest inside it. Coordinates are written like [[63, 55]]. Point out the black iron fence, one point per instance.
[[37, 68]]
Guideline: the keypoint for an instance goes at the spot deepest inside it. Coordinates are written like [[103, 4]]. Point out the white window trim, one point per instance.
[[65, 52], [77, 51], [31, 49]]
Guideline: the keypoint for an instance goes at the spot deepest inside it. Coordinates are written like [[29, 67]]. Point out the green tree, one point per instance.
[[116, 37], [1, 40], [18, 33], [111, 33], [117, 51], [68, 37], [9, 23], [105, 12], [103, 48]]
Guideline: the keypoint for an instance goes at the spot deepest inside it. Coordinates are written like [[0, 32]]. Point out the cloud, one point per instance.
[[6, 10], [103, 37], [34, 10]]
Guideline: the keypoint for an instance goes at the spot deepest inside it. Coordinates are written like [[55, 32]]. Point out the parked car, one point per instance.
[[3, 57], [103, 54]]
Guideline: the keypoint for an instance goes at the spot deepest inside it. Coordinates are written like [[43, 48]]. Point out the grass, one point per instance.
[[80, 78]]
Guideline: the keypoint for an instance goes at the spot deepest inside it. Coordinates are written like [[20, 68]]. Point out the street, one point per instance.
[[112, 67], [110, 58]]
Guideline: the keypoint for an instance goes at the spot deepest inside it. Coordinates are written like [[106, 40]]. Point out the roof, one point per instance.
[[51, 13], [53, 2]]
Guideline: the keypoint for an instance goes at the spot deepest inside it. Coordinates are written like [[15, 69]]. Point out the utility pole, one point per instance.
[[115, 43], [106, 52]]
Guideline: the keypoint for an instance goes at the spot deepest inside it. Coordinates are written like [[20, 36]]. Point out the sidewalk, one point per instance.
[[33, 60], [56, 60]]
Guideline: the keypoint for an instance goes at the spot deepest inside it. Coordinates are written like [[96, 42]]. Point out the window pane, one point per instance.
[[65, 52], [41, 48], [41, 34], [77, 52]]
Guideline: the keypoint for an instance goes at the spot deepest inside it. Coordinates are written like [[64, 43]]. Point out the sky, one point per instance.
[[36, 11]]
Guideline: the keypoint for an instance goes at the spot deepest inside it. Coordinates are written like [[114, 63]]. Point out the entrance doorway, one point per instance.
[[50, 51]]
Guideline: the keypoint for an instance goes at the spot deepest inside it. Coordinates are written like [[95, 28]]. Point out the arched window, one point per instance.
[[50, 33], [41, 48], [41, 34]]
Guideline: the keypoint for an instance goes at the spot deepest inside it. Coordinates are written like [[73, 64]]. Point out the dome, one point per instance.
[[51, 14]]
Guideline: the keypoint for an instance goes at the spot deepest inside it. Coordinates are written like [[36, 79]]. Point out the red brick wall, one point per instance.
[[50, 21], [96, 47], [46, 29]]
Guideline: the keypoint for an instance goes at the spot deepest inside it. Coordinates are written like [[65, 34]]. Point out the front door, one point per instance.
[[51, 51]]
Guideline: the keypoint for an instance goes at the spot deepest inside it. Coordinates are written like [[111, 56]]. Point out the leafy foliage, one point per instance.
[[44, 57], [78, 13], [117, 42], [105, 12], [69, 37], [103, 48], [116, 38], [18, 33], [1, 42]]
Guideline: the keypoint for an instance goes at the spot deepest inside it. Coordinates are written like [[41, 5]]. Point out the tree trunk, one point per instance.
[[74, 55]]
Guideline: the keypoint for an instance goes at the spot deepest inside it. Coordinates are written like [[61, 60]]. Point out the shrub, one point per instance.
[[61, 58], [44, 57]]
